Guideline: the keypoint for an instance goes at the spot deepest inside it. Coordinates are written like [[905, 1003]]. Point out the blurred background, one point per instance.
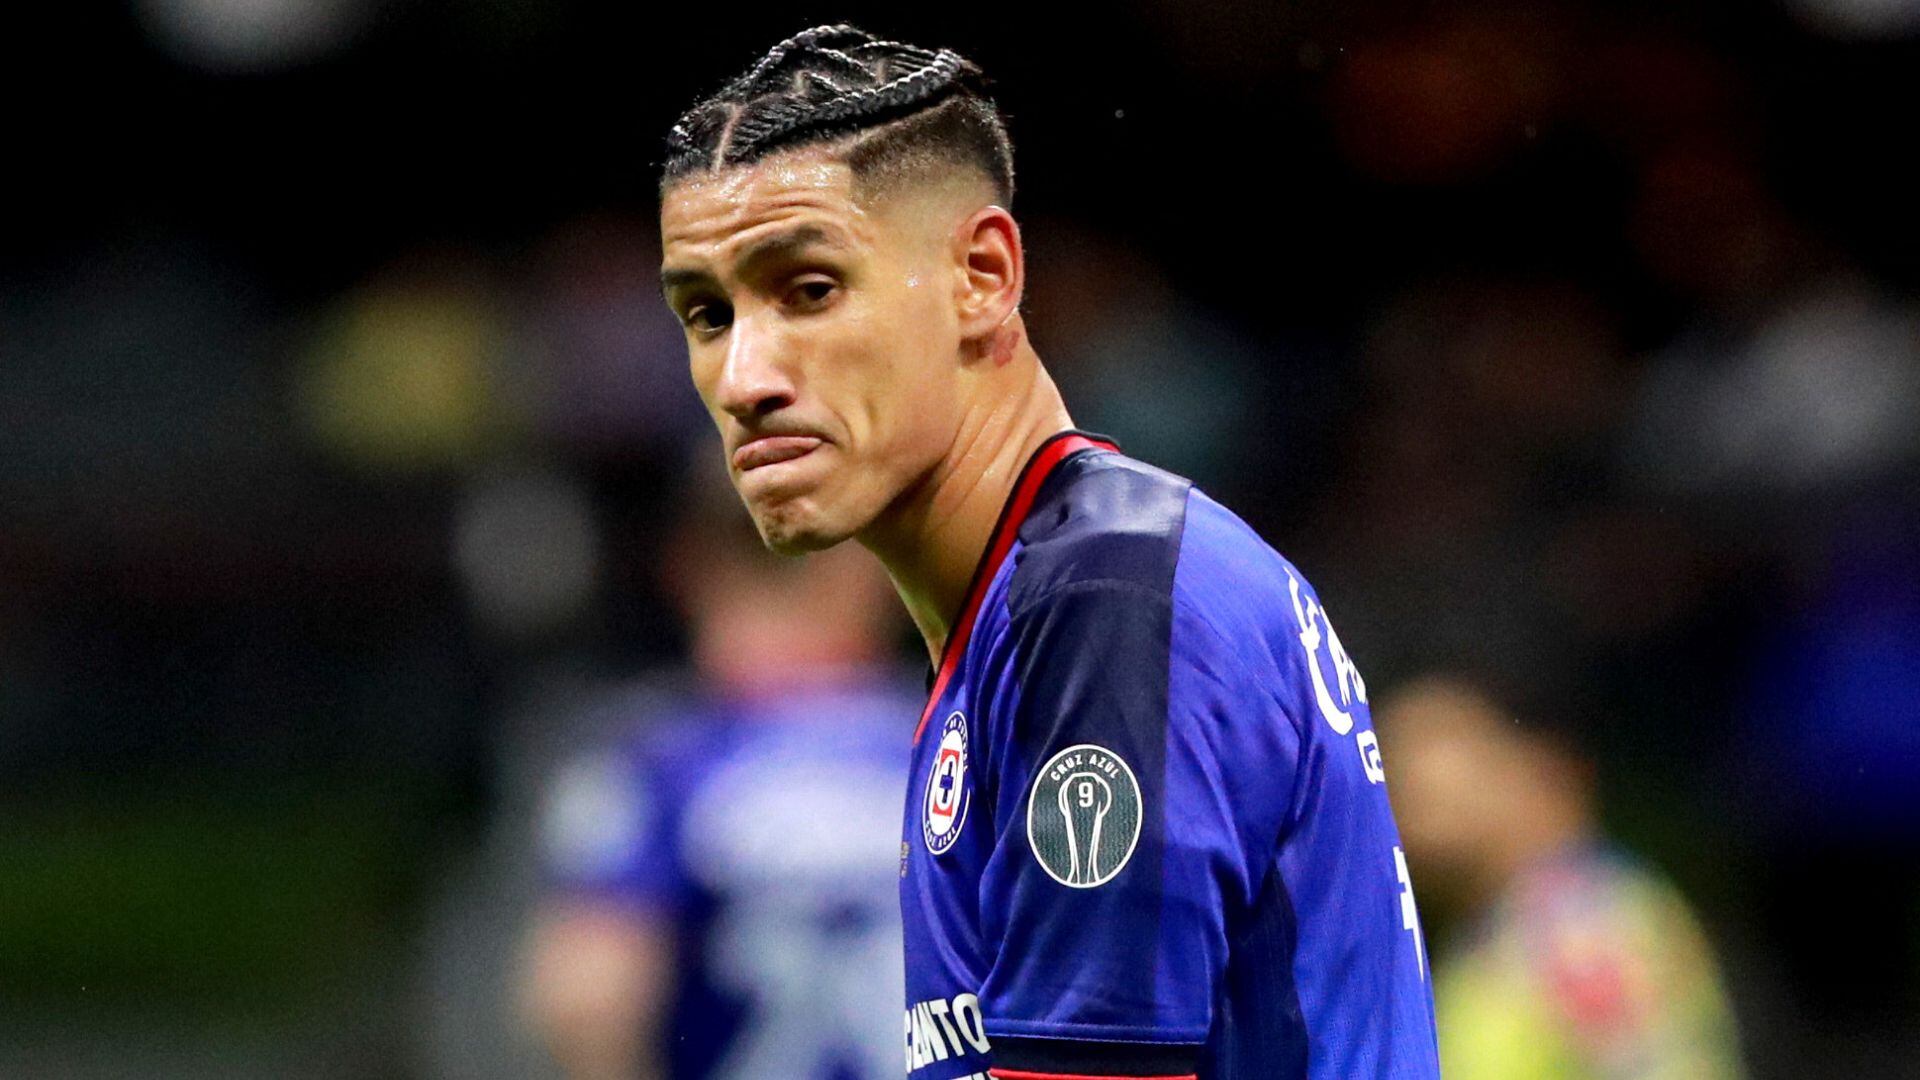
[[342, 434]]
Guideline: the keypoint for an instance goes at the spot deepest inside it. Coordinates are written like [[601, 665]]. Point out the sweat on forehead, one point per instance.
[[839, 172]]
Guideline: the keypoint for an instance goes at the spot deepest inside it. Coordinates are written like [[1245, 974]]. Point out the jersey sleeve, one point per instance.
[[604, 833], [1142, 769]]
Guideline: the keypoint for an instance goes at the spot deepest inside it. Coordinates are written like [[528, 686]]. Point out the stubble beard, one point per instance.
[[798, 526]]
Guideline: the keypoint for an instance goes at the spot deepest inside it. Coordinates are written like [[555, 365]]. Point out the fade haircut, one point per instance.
[[897, 110]]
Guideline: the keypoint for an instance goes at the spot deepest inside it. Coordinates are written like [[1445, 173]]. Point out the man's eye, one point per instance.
[[811, 294], [707, 318]]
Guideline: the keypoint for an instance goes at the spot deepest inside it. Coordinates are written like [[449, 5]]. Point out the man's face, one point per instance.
[[822, 335], [1452, 781]]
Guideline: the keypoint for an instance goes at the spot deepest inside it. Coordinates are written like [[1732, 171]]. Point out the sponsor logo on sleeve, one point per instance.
[[1083, 816]]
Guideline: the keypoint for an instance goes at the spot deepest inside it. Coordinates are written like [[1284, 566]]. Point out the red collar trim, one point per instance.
[[1051, 453], [1015, 1074]]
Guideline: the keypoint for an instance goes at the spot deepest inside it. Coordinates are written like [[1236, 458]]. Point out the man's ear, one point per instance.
[[992, 272]]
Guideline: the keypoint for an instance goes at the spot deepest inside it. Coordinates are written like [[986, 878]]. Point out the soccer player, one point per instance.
[[721, 897], [1146, 832]]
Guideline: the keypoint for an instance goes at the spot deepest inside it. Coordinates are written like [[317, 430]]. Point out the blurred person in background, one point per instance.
[[1576, 960], [722, 898]]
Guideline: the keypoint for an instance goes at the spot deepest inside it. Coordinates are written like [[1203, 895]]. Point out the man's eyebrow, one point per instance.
[[785, 244], [779, 245], [672, 278]]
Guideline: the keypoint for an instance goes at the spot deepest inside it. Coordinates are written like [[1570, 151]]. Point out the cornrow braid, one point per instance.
[[831, 83]]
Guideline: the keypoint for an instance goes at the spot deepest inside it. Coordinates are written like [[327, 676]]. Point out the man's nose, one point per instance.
[[754, 380]]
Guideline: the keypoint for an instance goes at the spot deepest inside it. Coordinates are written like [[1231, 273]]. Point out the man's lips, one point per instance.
[[772, 450]]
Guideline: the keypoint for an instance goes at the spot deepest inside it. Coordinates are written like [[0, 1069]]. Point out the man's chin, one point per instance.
[[798, 543], [786, 532]]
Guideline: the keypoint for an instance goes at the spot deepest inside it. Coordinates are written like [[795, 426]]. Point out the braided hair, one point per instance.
[[896, 107]]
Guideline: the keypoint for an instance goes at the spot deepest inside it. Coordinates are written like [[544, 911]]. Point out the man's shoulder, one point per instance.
[[1112, 524], [1102, 521], [1230, 574]]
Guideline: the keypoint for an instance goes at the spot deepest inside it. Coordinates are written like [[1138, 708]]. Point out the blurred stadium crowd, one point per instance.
[[342, 433]]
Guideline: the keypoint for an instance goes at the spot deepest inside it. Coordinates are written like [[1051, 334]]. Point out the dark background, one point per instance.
[[339, 424]]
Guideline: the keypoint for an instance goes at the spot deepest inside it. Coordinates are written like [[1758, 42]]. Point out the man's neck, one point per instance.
[[933, 540]]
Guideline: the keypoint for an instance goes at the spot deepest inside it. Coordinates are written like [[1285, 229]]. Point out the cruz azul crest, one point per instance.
[[948, 795]]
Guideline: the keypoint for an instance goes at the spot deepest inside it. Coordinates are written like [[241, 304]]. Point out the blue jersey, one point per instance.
[[762, 832], [1147, 832]]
